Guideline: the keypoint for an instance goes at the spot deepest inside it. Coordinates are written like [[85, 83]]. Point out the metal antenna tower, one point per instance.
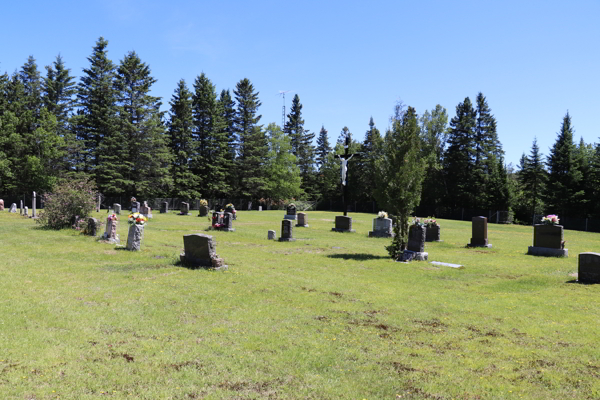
[[282, 94]]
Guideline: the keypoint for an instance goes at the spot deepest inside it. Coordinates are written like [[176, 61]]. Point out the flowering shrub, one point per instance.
[[68, 199], [137, 218], [550, 219]]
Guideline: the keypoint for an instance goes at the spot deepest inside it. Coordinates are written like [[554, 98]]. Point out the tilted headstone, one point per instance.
[[13, 208], [164, 207], [117, 208], [302, 221], [185, 209], [200, 251], [110, 232], [382, 227], [26, 213], [135, 236], [33, 205], [479, 237], [290, 211], [548, 241], [92, 227], [271, 235], [1, 205], [589, 268], [287, 231], [343, 224]]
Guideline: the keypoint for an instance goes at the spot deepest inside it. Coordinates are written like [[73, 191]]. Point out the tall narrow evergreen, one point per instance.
[[434, 135], [370, 150], [323, 148], [562, 194], [253, 142], [227, 107], [532, 180], [294, 126], [181, 130]]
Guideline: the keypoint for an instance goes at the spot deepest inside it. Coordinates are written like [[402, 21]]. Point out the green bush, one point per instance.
[[69, 201]]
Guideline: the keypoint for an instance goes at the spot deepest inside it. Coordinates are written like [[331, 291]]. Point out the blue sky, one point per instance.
[[347, 60]]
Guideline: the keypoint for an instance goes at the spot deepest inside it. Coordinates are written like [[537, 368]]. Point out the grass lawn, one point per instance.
[[329, 316]]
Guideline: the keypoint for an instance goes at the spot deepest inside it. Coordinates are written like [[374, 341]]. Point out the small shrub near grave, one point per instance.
[[68, 199]]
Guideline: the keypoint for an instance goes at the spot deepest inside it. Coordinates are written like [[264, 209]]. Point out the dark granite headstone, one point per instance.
[[382, 227], [228, 222], [589, 268], [287, 231], [302, 220], [271, 235], [164, 207], [416, 238], [433, 233], [550, 236], [343, 224], [479, 233], [92, 227], [135, 206], [185, 209]]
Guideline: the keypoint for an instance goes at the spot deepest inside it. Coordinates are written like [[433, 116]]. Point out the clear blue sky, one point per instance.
[[347, 60]]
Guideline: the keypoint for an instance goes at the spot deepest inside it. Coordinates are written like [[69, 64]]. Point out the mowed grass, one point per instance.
[[329, 316]]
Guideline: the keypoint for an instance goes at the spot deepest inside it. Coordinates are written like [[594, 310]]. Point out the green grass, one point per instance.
[[329, 316]]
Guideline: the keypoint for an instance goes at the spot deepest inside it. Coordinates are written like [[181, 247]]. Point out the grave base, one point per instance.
[[548, 252], [224, 229], [409, 255], [343, 230], [489, 246], [107, 239], [378, 234], [287, 216], [204, 263], [287, 239], [302, 226]]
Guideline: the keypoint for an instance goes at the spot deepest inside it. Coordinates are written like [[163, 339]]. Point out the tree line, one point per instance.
[[107, 127]]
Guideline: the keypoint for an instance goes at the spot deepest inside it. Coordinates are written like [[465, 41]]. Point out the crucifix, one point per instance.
[[344, 171]]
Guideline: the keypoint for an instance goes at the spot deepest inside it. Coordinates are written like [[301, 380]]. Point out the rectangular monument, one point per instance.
[[287, 231], [164, 207], [382, 227], [548, 241], [302, 222], [589, 268], [290, 211], [200, 251], [343, 224], [479, 233]]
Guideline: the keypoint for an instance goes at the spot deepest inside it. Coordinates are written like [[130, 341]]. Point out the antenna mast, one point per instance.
[[282, 94]]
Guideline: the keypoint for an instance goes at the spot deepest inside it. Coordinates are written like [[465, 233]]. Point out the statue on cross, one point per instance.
[[344, 170]]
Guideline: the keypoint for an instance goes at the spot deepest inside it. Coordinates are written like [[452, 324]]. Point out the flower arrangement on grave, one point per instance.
[[550, 220], [417, 222], [112, 217], [215, 224], [430, 222], [203, 202], [137, 218], [382, 214], [230, 208]]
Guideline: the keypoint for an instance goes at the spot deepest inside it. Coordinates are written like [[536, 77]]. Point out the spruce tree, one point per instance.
[[253, 143], [323, 148], [302, 147], [140, 122], [488, 151], [326, 176], [434, 135], [370, 151], [181, 130], [563, 191], [228, 116], [532, 180]]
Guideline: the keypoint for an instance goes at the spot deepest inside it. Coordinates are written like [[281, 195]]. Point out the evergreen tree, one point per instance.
[[323, 148], [459, 159], [284, 175], [228, 117], [181, 131], [146, 166], [253, 143], [594, 178], [434, 136], [400, 173], [562, 192], [326, 177], [584, 160], [532, 180], [370, 151], [499, 195]]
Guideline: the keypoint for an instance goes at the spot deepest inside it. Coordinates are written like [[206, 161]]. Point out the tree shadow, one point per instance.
[[358, 256]]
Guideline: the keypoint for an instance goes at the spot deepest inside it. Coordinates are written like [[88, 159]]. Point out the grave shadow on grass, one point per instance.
[[357, 256], [581, 283], [191, 266]]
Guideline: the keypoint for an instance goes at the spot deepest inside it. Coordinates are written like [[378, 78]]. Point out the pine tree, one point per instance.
[[563, 192], [532, 180], [181, 131], [459, 159], [370, 151], [140, 122], [488, 151], [253, 142], [323, 148], [434, 135]]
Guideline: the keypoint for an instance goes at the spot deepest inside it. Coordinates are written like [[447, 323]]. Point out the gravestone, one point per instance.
[[33, 206], [382, 227], [249, 206], [134, 237], [217, 219], [117, 208], [228, 222], [415, 250], [287, 231], [479, 236], [164, 207], [26, 213], [135, 206], [343, 224], [302, 220], [21, 209], [259, 208], [13, 208], [145, 210], [92, 227], [200, 251], [290, 211], [589, 268], [185, 209], [98, 204], [1, 205], [110, 232], [202, 211], [433, 233], [271, 235], [548, 241]]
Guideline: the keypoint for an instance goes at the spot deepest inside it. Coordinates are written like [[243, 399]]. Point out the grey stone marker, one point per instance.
[[228, 222], [200, 251], [92, 227], [164, 207], [290, 212], [21, 208], [146, 211], [259, 208], [548, 241], [249, 206], [416, 244], [117, 208], [271, 235], [589, 268], [479, 236], [135, 236], [443, 264], [1, 205], [13, 208], [33, 206], [110, 233], [382, 227], [185, 209], [98, 205], [343, 224], [302, 220], [26, 213], [135, 206], [287, 231]]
